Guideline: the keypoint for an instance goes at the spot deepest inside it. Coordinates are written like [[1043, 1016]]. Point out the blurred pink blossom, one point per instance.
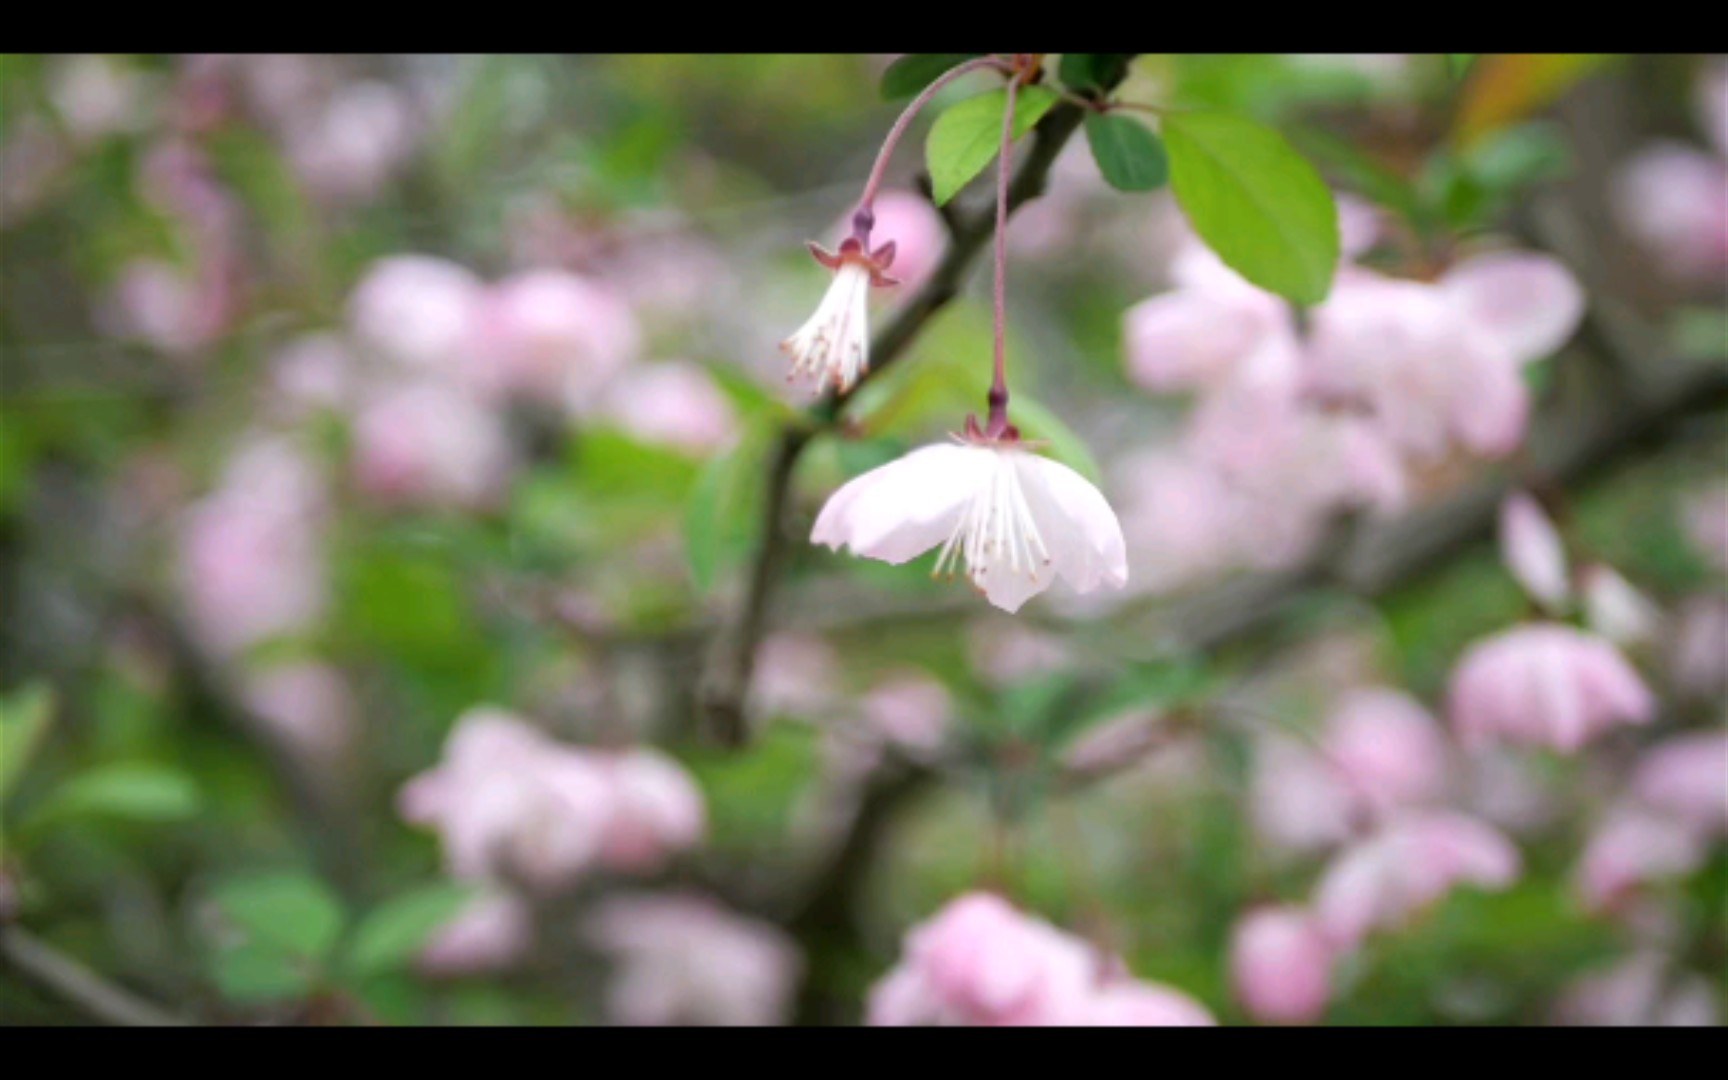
[[1007, 651], [908, 709], [554, 335], [1281, 965], [492, 933], [1298, 800], [1124, 1002], [428, 443], [1184, 523], [1386, 748], [1673, 199], [672, 402], [419, 311], [1545, 684], [655, 809], [1639, 991], [313, 372], [1705, 518], [511, 804], [308, 708], [33, 158], [174, 310], [251, 565], [1427, 363], [97, 95], [1378, 752], [1428, 373], [1531, 548], [1615, 608], [683, 959], [1388, 879], [796, 674], [1274, 447], [1527, 304], [979, 962], [1687, 776], [1633, 847], [348, 150], [1698, 650]]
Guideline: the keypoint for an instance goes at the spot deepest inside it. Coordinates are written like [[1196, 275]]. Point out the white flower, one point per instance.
[[1015, 519], [833, 346]]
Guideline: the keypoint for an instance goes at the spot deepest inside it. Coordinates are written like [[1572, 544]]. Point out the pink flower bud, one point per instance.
[[1281, 966], [911, 224]]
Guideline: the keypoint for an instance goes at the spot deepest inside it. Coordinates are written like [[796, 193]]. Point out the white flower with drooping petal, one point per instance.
[[1015, 520], [833, 346]]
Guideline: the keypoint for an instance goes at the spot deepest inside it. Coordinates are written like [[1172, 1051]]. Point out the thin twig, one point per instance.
[[95, 996], [726, 682]]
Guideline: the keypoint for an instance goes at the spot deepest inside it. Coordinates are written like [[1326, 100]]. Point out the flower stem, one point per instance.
[[865, 218], [997, 424]]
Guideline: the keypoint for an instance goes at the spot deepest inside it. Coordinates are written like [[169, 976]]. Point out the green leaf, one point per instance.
[[965, 138], [260, 975], [285, 911], [1129, 156], [914, 71], [25, 714], [1039, 424], [132, 792], [1256, 202], [393, 932], [1091, 72], [723, 516], [1458, 63]]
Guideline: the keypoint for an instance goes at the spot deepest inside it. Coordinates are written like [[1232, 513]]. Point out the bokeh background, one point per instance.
[[382, 451]]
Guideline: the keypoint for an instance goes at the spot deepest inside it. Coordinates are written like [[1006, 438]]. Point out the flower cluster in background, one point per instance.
[[390, 460]]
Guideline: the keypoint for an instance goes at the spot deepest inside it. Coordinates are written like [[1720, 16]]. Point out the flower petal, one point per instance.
[[899, 511], [1077, 524], [1529, 303]]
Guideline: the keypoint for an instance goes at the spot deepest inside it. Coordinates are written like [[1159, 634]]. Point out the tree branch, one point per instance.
[[95, 996], [726, 681]]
